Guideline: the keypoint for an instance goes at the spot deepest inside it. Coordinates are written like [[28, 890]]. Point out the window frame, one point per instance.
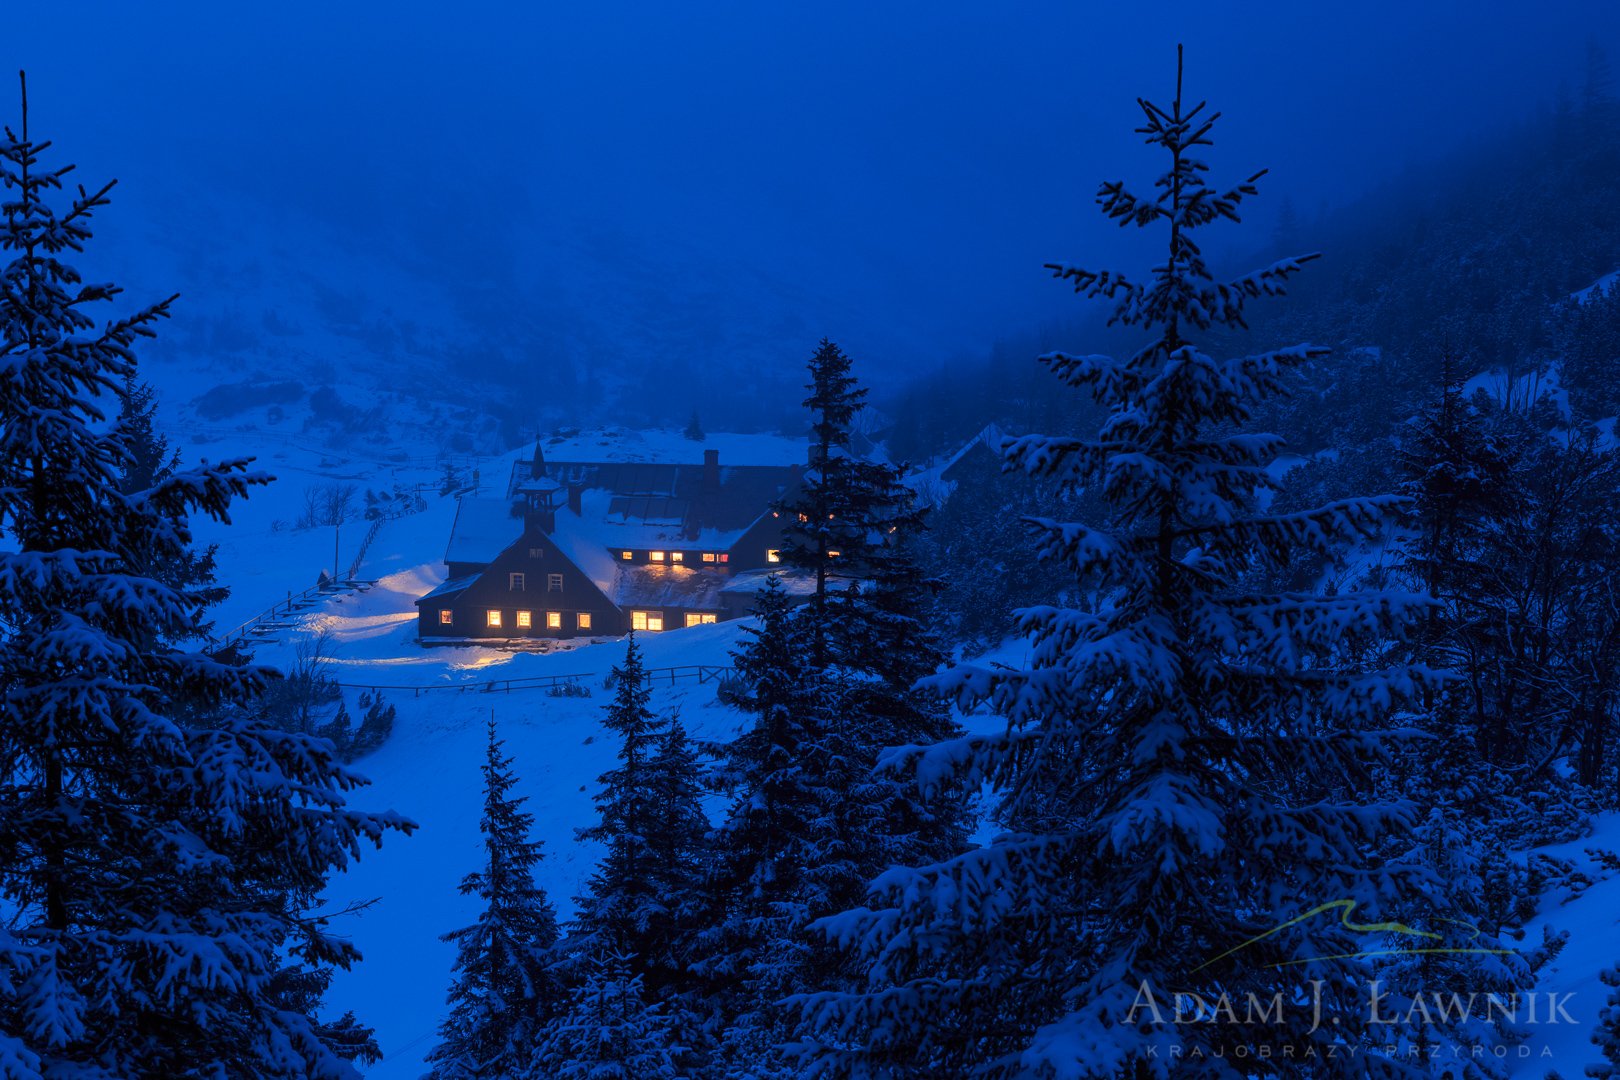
[[523, 620], [516, 581], [492, 618], [553, 620]]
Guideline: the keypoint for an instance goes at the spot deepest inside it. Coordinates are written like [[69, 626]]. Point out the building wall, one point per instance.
[[752, 549], [535, 558]]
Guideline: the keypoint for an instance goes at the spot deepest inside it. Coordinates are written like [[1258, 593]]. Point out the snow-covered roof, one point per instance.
[[669, 586], [450, 587], [574, 540], [690, 506], [792, 582], [669, 447], [484, 528]]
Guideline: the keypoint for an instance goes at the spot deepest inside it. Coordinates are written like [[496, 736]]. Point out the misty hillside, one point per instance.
[[290, 325], [1475, 254]]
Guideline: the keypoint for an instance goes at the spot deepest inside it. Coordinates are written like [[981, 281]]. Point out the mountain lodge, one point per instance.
[[597, 548]]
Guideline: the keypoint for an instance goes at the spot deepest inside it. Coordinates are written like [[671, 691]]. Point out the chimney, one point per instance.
[[711, 471], [576, 498]]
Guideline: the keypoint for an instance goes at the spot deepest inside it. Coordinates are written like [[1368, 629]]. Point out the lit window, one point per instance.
[[446, 616], [708, 556], [677, 556], [627, 555], [725, 556], [647, 620], [804, 519], [553, 620], [694, 618], [773, 555], [584, 618], [514, 581], [524, 621], [655, 556], [492, 617], [553, 583], [834, 554]]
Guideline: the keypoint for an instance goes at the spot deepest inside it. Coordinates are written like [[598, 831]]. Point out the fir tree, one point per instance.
[[156, 868], [148, 461], [608, 1030], [1607, 1034], [867, 628], [624, 909], [503, 991], [1181, 767], [782, 856], [818, 524], [694, 428]]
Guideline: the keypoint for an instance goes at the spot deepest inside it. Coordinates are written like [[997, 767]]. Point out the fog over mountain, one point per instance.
[[619, 213]]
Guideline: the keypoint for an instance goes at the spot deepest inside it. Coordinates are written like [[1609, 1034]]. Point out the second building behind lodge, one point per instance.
[[597, 548]]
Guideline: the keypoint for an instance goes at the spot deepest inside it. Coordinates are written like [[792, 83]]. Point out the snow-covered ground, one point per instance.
[[428, 770]]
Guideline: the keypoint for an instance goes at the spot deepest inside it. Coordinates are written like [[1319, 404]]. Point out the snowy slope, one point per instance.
[[1592, 920], [428, 770]]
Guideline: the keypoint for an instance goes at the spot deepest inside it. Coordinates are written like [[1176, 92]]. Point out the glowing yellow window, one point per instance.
[[446, 616], [655, 556], [492, 617], [524, 620], [697, 618], [834, 554], [773, 555], [627, 555], [647, 620], [584, 619], [553, 620], [708, 556], [677, 556]]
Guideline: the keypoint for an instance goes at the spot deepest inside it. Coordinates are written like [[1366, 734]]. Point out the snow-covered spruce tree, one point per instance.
[[608, 1030], [783, 855], [1607, 1034], [149, 863], [148, 461], [1179, 769], [855, 524], [503, 991], [651, 822]]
